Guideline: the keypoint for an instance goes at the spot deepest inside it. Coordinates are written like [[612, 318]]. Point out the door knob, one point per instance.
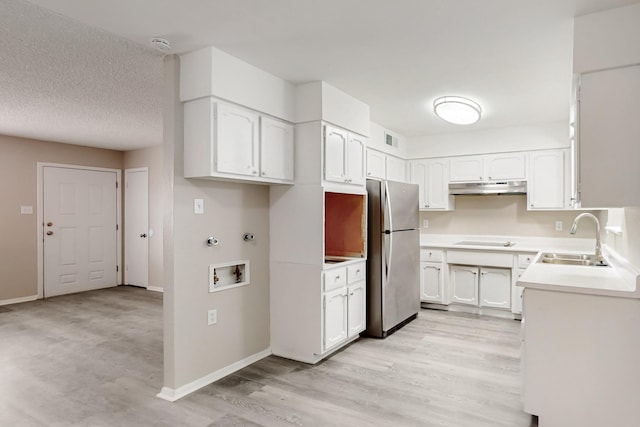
[[143, 235], [49, 233], [49, 224]]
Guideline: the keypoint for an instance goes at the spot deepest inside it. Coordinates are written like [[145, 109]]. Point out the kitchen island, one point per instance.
[[581, 342]]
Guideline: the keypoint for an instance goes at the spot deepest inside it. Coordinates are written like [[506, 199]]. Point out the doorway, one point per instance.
[[79, 244], [136, 227], [78, 223]]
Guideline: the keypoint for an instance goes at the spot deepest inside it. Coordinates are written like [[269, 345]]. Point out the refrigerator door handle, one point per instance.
[[388, 251], [388, 218]]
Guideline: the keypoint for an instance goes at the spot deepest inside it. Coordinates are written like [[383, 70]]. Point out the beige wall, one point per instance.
[[18, 173], [193, 349], [152, 159], [500, 215]]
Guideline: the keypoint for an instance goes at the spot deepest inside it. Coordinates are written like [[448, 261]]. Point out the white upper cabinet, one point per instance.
[[335, 153], [505, 166], [396, 169], [234, 143], [488, 167], [344, 156], [376, 164], [384, 166], [608, 138], [546, 187], [355, 162], [237, 140], [431, 177], [276, 149], [466, 168]]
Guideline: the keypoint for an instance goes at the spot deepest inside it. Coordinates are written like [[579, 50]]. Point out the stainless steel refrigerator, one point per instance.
[[393, 258]]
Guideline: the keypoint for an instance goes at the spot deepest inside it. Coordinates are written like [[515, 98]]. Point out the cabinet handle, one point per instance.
[[437, 268], [357, 271], [337, 278], [368, 173], [475, 273]]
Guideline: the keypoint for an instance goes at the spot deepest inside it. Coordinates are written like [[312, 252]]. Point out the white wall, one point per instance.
[[192, 349], [377, 141], [520, 138]]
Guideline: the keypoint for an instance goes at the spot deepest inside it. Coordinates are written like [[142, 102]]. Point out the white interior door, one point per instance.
[[80, 220], [136, 227]]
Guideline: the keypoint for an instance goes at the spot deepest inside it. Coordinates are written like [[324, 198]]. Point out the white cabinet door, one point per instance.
[[396, 169], [464, 283], [418, 175], [357, 309], [608, 141], [495, 287], [276, 149], [335, 317], [355, 162], [237, 140], [466, 168], [376, 165], [437, 185], [431, 282], [516, 295], [505, 166], [335, 151], [546, 186]]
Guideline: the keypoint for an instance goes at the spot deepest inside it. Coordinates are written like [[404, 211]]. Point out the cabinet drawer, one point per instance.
[[525, 259], [335, 278], [356, 272], [427, 254]]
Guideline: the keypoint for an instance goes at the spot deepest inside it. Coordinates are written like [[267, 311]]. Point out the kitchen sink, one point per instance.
[[572, 259]]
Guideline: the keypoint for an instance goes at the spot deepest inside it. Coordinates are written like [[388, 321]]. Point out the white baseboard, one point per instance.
[[172, 395], [155, 288], [18, 300]]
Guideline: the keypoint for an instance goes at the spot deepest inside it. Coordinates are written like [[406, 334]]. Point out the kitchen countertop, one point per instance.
[[618, 280]]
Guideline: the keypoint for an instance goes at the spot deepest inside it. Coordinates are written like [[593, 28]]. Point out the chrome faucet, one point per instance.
[[574, 228]]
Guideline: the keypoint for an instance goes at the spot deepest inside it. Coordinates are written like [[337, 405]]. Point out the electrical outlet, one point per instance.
[[425, 223], [558, 225], [212, 317]]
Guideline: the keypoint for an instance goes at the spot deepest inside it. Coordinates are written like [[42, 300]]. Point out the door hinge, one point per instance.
[[117, 268], [116, 184], [117, 227]]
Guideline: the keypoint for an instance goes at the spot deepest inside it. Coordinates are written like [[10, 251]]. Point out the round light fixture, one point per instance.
[[457, 110]]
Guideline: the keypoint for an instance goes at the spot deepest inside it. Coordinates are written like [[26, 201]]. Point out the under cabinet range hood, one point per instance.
[[488, 188]]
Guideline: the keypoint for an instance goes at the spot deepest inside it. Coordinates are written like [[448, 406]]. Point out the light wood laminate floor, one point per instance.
[[95, 359]]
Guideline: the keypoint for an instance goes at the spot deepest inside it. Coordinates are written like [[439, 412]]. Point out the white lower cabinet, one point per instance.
[[464, 284], [481, 286], [431, 286], [334, 313], [344, 305], [495, 287], [356, 309]]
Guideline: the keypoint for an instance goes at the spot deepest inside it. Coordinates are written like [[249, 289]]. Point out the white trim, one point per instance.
[[18, 300], [155, 288], [40, 217], [172, 395]]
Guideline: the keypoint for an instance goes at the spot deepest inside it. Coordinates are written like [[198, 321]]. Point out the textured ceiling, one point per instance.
[[64, 81], [83, 85]]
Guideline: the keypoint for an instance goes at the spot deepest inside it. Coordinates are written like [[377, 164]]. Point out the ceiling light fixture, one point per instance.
[[457, 110]]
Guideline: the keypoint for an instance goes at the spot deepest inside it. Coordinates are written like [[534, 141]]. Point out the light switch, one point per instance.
[[26, 210], [425, 223], [212, 317], [558, 225], [198, 206]]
